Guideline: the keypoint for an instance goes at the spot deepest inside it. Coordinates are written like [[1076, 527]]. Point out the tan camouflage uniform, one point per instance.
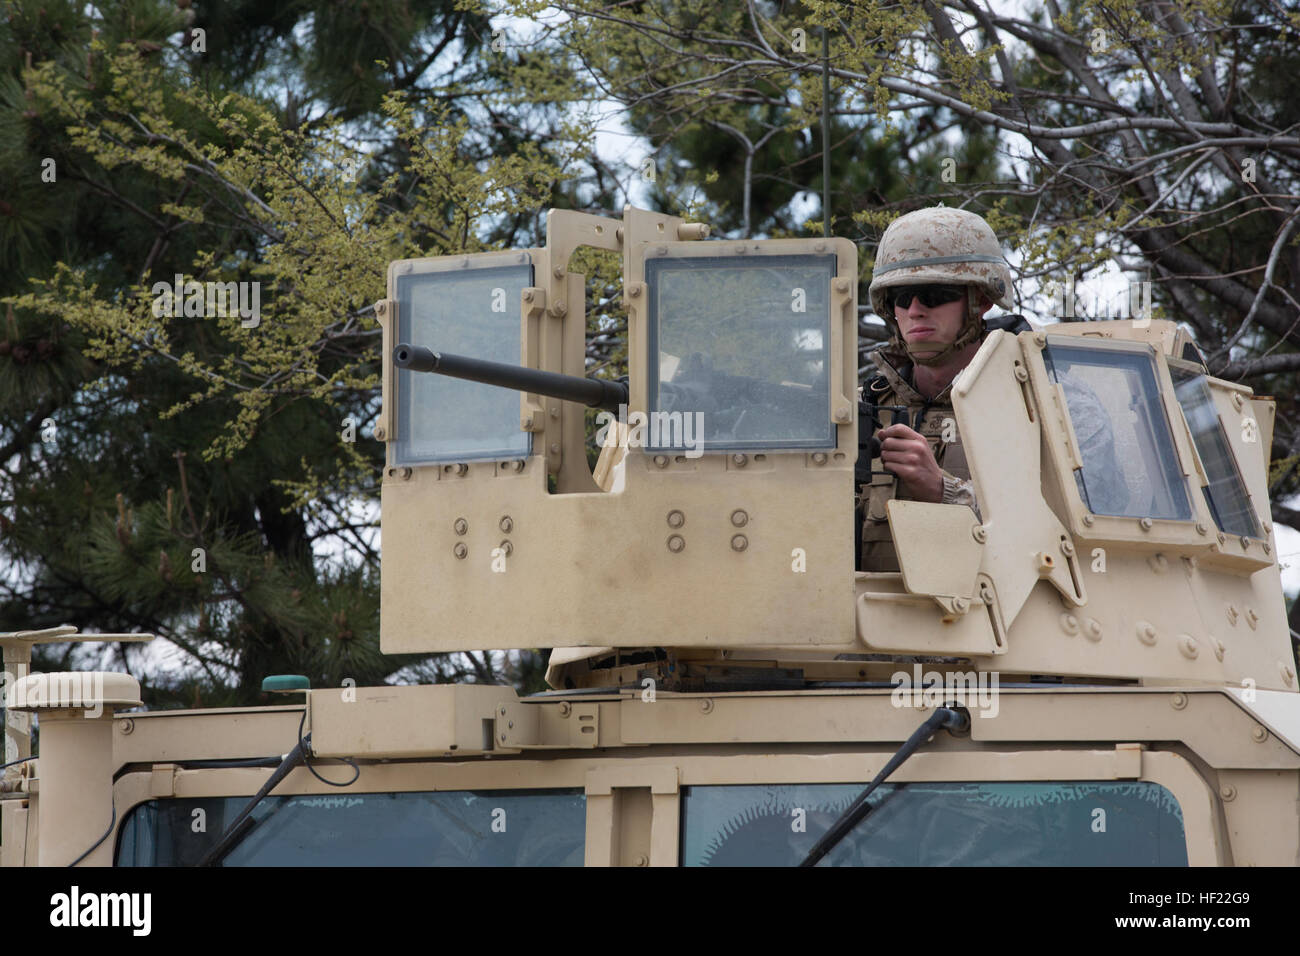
[[892, 387]]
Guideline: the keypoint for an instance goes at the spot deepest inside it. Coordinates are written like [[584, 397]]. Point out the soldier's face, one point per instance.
[[940, 323]]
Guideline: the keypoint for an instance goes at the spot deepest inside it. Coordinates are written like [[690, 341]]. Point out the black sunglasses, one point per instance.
[[930, 295]]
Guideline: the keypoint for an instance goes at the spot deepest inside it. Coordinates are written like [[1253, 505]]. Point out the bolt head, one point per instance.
[[739, 542], [676, 543], [739, 518], [661, 461]]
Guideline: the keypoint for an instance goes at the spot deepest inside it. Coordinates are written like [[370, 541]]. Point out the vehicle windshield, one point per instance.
[[938, 824], [447, 828]]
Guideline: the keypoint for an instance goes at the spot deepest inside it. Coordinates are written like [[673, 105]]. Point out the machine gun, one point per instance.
[[738, 406], [592, 392]]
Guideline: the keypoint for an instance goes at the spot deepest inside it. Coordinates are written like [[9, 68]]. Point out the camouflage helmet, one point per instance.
[[942, 246]]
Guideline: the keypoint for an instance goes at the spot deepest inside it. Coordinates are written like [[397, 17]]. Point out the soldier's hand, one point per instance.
[[907, 454]]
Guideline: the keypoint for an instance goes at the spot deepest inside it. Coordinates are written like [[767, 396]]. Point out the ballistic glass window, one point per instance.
[[446, 828], [936, 824], [1226, 492], [1130, 465], [740, 347], [466, 310]]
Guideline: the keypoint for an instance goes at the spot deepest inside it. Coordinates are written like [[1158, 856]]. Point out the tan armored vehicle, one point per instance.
[[1076, 675]]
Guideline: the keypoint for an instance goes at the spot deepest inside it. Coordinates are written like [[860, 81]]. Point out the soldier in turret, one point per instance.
[[937, 272]]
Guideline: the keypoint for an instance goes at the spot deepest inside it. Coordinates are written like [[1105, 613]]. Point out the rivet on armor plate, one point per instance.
[[506, 547], [1222, 538], [461, 526], [661, 461], [1159, 563], [555, 448], [1069, 624], [740, 460], [460, 549], [706, 706], [1088, 520], [1259, 734], [380, 433], [1067, 548], [1232, 615], [1187, 644], [1219, 649], [1252, 618], [558, 272], [1268, 548], [1201, 529], [1146, 524], [1178, 701], [819, 458], [675, 543], [1021, 373], [819, 247], [739, 542], [1288, 673], [1092, 629], [1228, 792], [1146, 633], [462, 470], [565, 708], [1245, 542], [739, 518], [981, 533], [841, 285], [505, 524], [676, 519]]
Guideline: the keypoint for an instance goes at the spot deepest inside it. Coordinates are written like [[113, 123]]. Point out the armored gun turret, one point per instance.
[[1104, 632]]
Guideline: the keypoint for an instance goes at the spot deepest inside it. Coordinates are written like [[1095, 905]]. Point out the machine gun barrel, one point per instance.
[[592, 392]]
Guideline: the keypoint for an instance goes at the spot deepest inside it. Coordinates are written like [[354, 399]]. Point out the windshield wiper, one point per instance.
[[859, 808], [242, 825]]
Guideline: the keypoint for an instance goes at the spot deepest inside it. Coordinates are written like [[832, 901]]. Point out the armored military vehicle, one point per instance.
[[1072, 675]]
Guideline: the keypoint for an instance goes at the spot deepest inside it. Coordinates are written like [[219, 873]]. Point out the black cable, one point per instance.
[[14, 763], [111, 824], [306, 750]]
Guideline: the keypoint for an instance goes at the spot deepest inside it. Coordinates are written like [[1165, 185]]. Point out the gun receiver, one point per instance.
[[592, 392]]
